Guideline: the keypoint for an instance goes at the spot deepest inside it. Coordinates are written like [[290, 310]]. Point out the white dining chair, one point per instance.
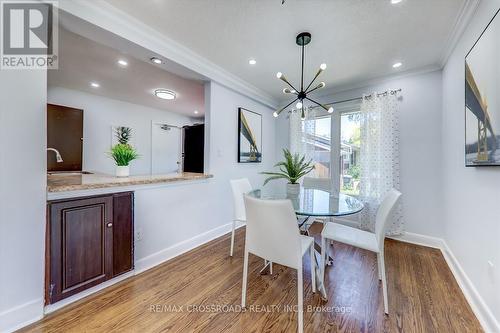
[[363, 239], [272, 233], [240, 187]]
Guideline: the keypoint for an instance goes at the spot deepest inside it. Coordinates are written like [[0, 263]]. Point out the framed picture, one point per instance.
[[482, 98], [249, 136]]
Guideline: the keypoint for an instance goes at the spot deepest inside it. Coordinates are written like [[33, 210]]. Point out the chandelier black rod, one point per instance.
[[302, 76], [314, 79], [283, 108], [283, 78]]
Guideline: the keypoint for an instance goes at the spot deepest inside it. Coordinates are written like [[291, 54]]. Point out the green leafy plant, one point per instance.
[[123, 154], [292, 168], [354, 171], [123, 134]]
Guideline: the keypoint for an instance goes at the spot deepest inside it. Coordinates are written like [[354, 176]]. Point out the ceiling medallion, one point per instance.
[[302, 40]]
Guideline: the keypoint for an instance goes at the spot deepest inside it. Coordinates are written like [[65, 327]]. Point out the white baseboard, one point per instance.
[[161, 256], [20, 316], [476, 302], [418, 239]]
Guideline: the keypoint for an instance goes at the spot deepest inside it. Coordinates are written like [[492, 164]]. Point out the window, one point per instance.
[[350, 143], [346, 143]]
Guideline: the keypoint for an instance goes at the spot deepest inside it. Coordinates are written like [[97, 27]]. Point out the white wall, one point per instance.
[[420, 146], [100, 114], [22, 195], [471, 195], [167, 216]]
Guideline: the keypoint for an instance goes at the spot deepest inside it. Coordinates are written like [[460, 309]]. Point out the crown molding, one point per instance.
[[110, 18], [462, 21], [378, 80]]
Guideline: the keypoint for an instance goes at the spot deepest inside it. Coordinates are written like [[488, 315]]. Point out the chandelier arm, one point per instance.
[[313, 89], [283, 108], [314, 79], [324, 107], [286, 81]]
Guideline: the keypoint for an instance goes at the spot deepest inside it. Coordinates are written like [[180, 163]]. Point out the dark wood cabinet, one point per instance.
[[89, 241]]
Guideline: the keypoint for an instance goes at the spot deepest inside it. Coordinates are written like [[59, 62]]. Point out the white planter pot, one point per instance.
[[122, 171], [292, 189]]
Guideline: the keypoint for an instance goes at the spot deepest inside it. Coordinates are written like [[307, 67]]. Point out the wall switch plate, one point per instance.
[[138, 234]]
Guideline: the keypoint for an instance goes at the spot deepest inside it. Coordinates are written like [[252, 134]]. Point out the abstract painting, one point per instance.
[[482, 99], [249, 136]]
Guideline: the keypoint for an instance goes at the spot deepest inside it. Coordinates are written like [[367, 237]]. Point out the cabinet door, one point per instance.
[[123, 232], [81, 245]]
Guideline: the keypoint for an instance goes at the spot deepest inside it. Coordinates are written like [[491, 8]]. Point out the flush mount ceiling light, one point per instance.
[[395, 1], [252, 61], [196, 112], [94, 85], [302, 40], [157, 61], [122, 62], [397, 65], [165, 94]]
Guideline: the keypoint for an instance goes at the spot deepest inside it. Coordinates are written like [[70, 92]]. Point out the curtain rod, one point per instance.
[[395, 91]]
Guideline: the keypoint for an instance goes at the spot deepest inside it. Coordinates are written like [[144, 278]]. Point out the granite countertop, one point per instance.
[[75, 182]]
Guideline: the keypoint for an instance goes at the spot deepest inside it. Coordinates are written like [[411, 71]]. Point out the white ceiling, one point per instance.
[[359, 40], [82, 61]]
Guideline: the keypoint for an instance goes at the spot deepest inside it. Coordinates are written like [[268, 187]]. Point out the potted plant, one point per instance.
[[123, 153], [292, 169]]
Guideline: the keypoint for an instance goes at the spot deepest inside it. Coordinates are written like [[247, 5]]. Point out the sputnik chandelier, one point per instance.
[[302, 40]]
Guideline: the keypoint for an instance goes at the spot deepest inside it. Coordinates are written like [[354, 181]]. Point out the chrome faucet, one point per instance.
[[58, 155]]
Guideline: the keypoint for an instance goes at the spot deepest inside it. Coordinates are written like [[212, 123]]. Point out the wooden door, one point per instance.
[[81, 245], [64, 133]]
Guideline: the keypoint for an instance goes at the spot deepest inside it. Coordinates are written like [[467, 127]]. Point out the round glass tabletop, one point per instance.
[[313, 202]]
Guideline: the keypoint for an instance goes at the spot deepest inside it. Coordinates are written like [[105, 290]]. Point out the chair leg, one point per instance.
[[324, 254], [384, 282], [300, 297], [313, 268], [379, 267], [244, 284], [271, 268], [232, 239]]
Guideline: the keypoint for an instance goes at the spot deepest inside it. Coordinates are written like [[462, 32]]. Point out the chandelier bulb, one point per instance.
[[287, 91], [322, 67], [330, 109], [322, 85], [299, 105], [279, 75], [275, 114]]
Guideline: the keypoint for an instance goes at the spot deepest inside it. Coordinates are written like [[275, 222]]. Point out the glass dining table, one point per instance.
[[310, 203]]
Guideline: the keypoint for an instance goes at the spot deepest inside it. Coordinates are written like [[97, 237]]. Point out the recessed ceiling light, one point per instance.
[[157, 61], [196, 112], [252, 61], [397, 65], [165, 94], [95, 84], [395, 1], [122, 62]]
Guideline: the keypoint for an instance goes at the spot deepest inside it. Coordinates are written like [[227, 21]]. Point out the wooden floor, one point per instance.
[[423, 296]]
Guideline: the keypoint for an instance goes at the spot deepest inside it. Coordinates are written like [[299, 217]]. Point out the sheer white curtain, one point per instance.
[[379, 156], [301, 133]]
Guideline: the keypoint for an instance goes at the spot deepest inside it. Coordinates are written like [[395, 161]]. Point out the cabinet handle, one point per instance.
[[109, 225]]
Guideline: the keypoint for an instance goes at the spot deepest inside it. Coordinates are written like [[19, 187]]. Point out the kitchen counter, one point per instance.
[[57, 183]]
